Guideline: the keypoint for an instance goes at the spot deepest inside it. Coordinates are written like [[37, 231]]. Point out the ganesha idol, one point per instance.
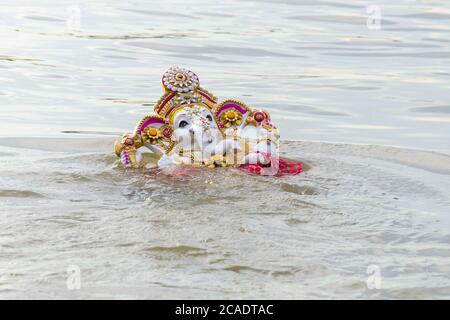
[[189, 127]]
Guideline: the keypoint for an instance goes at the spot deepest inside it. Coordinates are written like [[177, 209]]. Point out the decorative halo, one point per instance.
[[230, 113], [180, 80]]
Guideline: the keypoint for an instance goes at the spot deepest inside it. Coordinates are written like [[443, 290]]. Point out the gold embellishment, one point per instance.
[[161, 100], [152, 135], [231, 117], [216, 161], [172, 114], [127, 140], [166, 131], [227, 118], [250, 121], [170, 147], [209, 94], [118, 147], [265, 139], [178, 79], [268, 127], [137, 129], [131, 151], [235, 101]]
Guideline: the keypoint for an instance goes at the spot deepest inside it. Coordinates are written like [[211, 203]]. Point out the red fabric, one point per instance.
[[278, 167]]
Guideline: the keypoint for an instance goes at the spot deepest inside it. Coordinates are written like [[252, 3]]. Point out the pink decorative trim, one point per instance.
[[207, 97], [231, 105], [170, 96], [149, 122], [169, 111]]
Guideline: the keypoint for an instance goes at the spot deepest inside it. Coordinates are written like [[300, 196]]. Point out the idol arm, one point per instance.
[[263, 153], [266, 148], [129, 150]]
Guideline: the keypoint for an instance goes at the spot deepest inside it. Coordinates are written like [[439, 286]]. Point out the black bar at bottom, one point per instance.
[[226, 309]]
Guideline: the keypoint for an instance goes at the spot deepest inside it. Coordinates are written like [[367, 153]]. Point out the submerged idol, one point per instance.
[[190, 127]]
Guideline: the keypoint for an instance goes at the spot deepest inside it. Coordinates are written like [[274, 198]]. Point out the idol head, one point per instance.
[[195, 129]]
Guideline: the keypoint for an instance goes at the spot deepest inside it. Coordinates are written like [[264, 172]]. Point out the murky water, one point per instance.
[[323, 74]]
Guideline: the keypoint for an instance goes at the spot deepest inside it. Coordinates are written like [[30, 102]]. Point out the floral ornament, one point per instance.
[[152, 135], [231, 117], [180, 80], [127, 140], [259, 116]]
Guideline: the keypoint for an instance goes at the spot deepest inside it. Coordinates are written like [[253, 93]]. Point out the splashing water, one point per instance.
[[215, 233]]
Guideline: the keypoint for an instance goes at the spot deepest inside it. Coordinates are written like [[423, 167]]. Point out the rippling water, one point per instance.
[[323, 73]]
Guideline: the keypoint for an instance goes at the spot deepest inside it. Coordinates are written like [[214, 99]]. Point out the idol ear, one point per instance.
[[155, 131], [231, 113]]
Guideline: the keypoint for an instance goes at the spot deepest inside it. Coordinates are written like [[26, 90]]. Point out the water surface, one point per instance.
[[223, 233]]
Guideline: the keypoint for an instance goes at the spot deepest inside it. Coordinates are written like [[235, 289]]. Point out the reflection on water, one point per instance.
[[222, 233], [435, 109], [93, 69], [327, 76]]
